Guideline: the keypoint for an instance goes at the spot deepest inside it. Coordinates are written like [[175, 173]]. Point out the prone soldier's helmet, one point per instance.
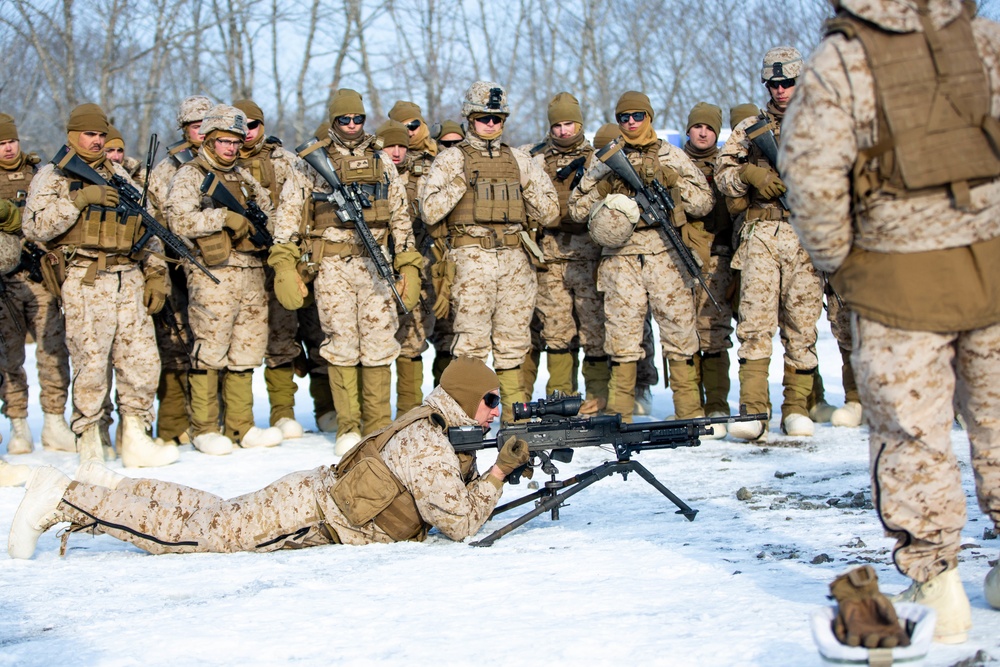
[[224, 118], [613, 221], [485, 97], [192, 110], [781, 63]]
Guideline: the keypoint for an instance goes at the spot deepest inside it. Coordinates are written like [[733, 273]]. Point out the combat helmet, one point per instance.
[[192, 110], [225, 118], [781, 63], [485, 97], [610, 226]]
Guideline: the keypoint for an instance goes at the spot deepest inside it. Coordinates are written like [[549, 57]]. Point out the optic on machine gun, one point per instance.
[[556, 406]]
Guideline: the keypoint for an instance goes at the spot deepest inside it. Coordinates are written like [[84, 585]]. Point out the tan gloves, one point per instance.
[[695, 237], [10, 217], [96, 195], [513, 455], [154, 294], [288, 285], [239, 225], [669, 178], [442, 276], [767, 181], [409, 264], [865, 617]]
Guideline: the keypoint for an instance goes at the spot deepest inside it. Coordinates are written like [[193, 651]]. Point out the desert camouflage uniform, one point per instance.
[[646, 270], [38, 313], [106, 320], [779, 287], [493, 295], [909, 377], [298, 509]]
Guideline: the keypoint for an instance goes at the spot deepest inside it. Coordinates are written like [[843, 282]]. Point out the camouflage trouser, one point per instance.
[[417, 326], [163, 517], [282, 328], [569, 304], [357, 312], [492, 300], [629, 283], [909, 381], [37, 312], [715, 325], [107, 323], [779, 289], [228, 320], [175, 345]]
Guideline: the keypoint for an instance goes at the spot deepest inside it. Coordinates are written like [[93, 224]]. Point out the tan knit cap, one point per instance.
[[8, 128], [467, 380], [741, 112], [606, 134], [114, 139], [564, 107], [250, 108], [706, 114], [403, 111], [450, 127], [346, 102], [634, 101], [393, 133], [87, 118]]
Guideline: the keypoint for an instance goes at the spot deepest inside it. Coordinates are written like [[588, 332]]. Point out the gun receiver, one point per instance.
[[129, 204], [656, 205], [349, 209], [259, 235]]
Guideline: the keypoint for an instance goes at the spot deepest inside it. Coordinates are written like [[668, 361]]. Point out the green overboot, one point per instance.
[[560, 366], [322, 398], [172, 418], [621, 389], [795, 406], [409, 379], [754, 393], [204, 401], [529, 372], [281, 387], [237, 393], [441, 361], [596, 374], [818, 409], [511, 392], [344, 382], [376, 397], [715, 382], [687, 393]]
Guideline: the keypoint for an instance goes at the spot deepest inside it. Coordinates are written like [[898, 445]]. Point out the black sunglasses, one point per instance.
[[637, 116], [784, 83], [449, 143], [347, 120], [491, 400], [412, 125], [490, 119], [253, 125]]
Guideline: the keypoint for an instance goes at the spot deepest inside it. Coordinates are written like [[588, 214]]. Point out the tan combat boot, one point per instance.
[[344, 384], [596, 375], [621, 389], [376, 398], [56, 433], [409, 381], [511, 392], [560, 367], [138, 449], [20, 437], [945, 595], [38, 511], [754, 393], [90, 445], [13, 474]]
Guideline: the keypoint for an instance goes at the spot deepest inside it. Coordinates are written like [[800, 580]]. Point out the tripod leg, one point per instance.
[[655, 483]]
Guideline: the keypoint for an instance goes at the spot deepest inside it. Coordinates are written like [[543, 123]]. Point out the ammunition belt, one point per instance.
[[485, 242], [770, 213]]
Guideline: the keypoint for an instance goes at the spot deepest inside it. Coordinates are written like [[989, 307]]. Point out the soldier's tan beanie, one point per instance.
[[346, 102], [450, 127], [634, 101], [564, 107], [393, 133], [250, 108], [741, 112], [706, 114], [87, 118], [403, 111], [606, 134], [114, 139], [8, 128], [467, 380]]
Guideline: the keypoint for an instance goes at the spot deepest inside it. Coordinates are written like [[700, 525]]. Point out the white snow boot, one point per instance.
[[56, 434], [945, 595], [138, 449], [290, 428], [992, 586], [213, 443], [755, 431], [13, 474], [38, 511], [20, 437], [822, 412], [90, 445], [96, 473], [346, 442], [327, 422], [798, 425], [850, 415], [718, 430], [262, 437]]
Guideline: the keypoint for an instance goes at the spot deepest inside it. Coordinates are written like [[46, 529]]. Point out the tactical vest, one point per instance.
[[365, 173], [493, 195], [14, 184], [718, 221], [99, 228], [647, 165], [933, 97], [366, 490], [756, 157], [215, 247], [261, 167], [182, 152], [556, 160]]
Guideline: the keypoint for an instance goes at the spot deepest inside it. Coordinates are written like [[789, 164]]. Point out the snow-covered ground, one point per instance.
[[619, 579]]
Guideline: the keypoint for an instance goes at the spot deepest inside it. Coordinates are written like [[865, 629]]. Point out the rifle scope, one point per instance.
[[566, 406]]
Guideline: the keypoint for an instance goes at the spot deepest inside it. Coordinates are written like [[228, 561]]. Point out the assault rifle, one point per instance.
[[31, 261], [576, 167], [656, 206], [350, 205], [553, 431], [260, 237], [129, 204]]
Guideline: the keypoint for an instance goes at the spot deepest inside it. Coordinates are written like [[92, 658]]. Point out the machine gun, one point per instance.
[[553, 431], [656, 205], [350, 207], [129, 204], [260, 237]]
